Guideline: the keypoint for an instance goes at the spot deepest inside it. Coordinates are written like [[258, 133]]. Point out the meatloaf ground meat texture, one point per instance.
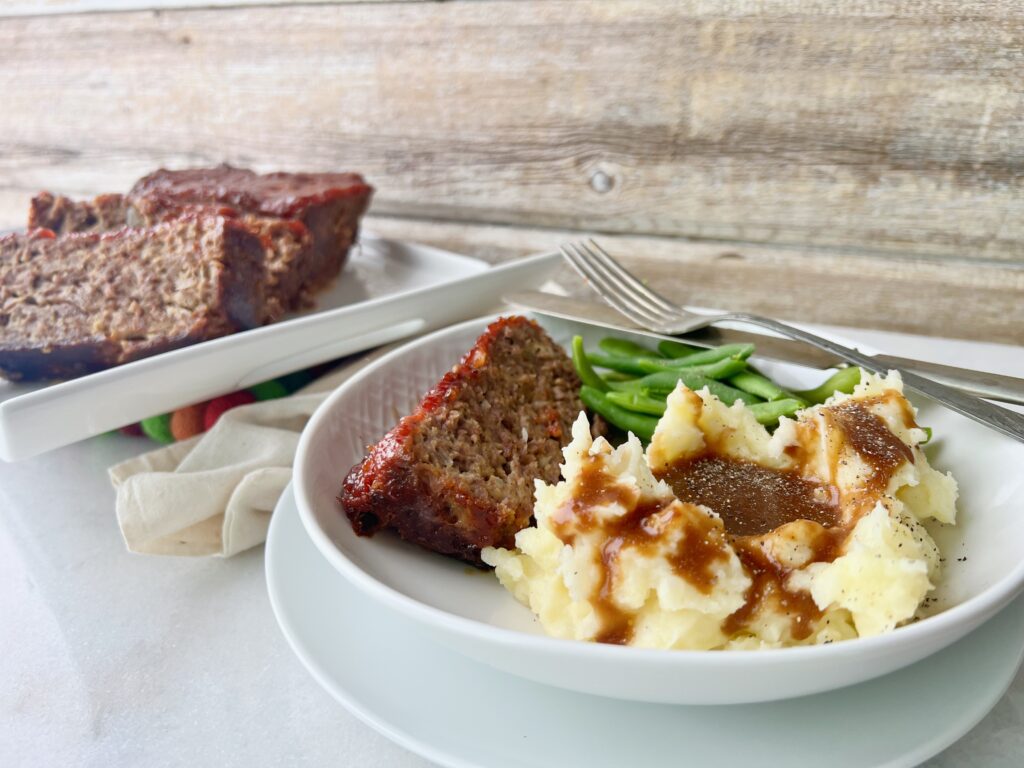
[[458, 474], [288, 262], [83, 302], [287, 242]]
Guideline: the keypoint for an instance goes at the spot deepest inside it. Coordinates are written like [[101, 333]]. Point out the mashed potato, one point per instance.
[[726, 536]]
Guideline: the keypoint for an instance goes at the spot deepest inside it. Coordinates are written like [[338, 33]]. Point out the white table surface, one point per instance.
[[111, 659]]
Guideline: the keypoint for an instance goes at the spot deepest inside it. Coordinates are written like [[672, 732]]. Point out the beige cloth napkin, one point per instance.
[[214, 493]]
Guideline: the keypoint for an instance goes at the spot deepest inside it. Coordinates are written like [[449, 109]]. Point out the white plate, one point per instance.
[[455, 712], [470, 612], [388, 290]]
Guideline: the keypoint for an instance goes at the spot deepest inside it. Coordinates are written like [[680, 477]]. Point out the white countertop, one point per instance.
[[112, 659]]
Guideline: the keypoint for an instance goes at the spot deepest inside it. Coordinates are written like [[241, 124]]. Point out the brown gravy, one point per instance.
[[639, 529], [869, 436], [752, 499]]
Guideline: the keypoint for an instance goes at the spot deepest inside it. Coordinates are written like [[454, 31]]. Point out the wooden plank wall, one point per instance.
[[826, 143]]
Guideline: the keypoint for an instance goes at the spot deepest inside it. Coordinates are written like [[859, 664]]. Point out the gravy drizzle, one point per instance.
[[873, 440], [639, 528]]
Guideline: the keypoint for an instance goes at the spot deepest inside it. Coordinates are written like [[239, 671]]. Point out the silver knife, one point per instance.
[[994, 386]]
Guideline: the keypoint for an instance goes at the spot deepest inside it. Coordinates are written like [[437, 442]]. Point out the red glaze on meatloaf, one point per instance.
[[458, 473]]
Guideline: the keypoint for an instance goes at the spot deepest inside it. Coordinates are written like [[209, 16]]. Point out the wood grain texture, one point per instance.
[[53, 7], [934, 298], [882, 126]]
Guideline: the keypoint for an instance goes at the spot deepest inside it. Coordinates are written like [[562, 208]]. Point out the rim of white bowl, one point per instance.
[[971, 612]]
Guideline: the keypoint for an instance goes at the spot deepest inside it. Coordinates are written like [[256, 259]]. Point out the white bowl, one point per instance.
[[469, 611]]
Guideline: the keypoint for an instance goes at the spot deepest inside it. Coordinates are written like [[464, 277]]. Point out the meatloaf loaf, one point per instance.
[[458, 473], [307, 221], [84, 302]]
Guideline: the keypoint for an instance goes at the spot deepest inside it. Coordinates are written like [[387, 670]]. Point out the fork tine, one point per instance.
[[605, 288], [628, 277], [595, 281], [627, 289], [611, 289]]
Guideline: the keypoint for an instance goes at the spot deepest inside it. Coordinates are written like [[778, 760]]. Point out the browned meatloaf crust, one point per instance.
[[80, 303], [458, 473], [329, 205]]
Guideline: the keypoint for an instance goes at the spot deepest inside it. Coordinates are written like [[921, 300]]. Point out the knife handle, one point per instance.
[[993, 386]]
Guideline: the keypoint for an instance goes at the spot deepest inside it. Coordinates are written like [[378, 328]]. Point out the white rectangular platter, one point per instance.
[[388, 290]]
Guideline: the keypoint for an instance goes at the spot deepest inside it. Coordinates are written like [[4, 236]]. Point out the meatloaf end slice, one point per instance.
[[458, 473], [329, 205], [63, 215], [84, 302]]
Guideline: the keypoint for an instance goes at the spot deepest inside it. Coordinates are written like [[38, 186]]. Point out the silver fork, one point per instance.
[[649, 309]]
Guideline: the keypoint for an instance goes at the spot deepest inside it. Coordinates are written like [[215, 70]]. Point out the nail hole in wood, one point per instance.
[[601, 182]]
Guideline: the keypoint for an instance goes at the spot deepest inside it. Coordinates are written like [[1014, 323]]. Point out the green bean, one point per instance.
[[722, 369], [665, 381], [638, 366], [713, 355], [641, 364], [730, 395], [631, 394], [843, 380], [676, 349], [639, 424], [769, 413], [758, 384], [617, 376], [637, 401], [626, 348], [587, 374], [628, 385]]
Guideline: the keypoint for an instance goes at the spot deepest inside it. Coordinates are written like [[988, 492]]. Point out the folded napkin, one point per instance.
[[213, 494]]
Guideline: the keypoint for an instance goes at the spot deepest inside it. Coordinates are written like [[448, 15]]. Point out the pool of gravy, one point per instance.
[[750, 498]]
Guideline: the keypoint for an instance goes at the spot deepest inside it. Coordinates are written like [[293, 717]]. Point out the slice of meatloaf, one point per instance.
[[288, 248], [458, 473], [83, 302], [329, 205], [287, 242]]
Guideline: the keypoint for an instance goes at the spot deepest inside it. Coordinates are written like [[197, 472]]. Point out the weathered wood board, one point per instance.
[[925, 296], [882, 126]]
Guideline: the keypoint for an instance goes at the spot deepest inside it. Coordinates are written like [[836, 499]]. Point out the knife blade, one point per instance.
[[994, 386]]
